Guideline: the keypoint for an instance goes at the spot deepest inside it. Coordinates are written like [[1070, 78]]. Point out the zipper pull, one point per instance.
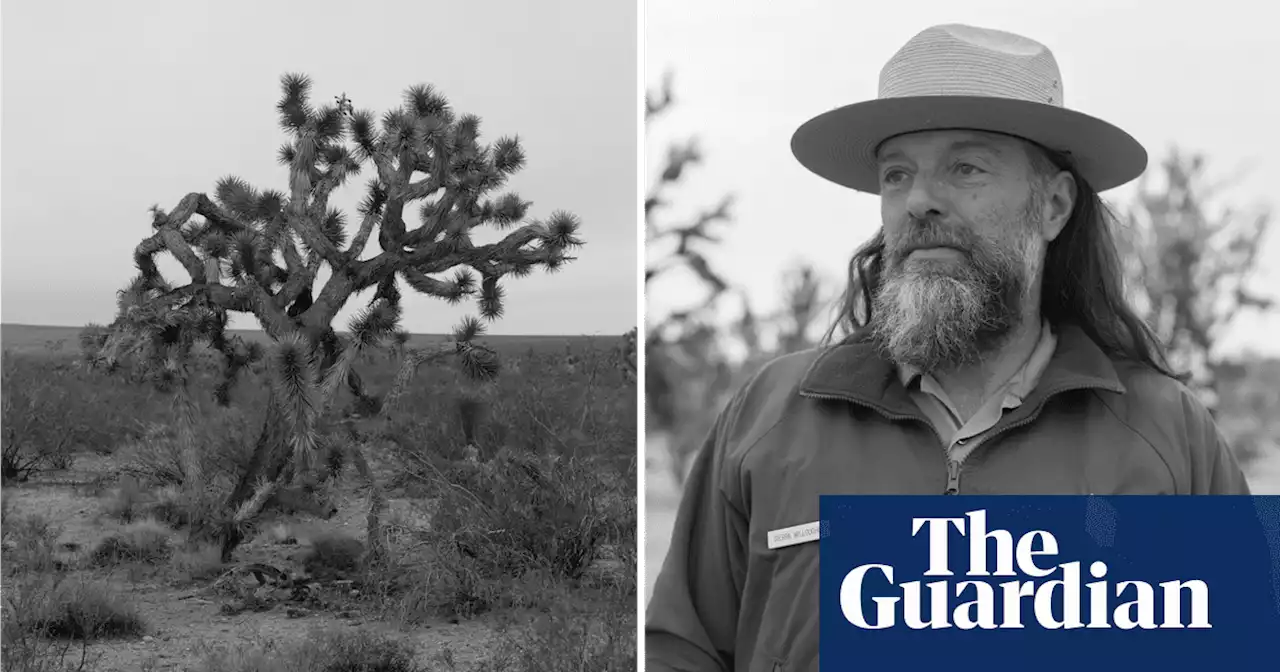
[[953, 478]]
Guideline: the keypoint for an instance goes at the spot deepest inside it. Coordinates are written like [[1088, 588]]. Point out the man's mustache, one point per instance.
[[922, 234]]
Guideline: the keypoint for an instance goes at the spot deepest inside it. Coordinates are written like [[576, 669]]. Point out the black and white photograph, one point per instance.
[[319, 335], [988, 248]]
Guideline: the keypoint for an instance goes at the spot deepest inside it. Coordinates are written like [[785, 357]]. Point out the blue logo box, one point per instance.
[[1057, 583]]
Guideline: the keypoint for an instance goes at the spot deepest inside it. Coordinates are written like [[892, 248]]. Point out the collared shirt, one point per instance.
[[960, 436]]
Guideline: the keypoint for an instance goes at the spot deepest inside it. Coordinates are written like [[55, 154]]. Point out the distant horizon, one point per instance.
[[487, 334]]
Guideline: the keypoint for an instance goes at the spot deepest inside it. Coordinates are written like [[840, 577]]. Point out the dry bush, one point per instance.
[[6, 517], [512, 532], [322, 651], [30, 545], [185, 506], [128, 501], [333, 556], [25, 651], [551, 493], [144, 541], [222, 439], [197, 562], [58, 608], [598, 642], [50, 411]]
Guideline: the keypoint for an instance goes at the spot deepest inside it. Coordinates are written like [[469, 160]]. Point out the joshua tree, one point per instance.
[[1190, 269], [260, 253], [665, 335]]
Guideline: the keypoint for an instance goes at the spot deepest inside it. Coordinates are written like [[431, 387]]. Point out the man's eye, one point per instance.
[[967, 169], [893, 176]]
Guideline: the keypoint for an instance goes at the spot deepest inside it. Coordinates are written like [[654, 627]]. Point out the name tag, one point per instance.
[[798, 534]]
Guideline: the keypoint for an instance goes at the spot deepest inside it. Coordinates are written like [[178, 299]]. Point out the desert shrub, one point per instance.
[[222, 439], [505, 533], [25, 650], [333, 556], [6, 507], [602, 642], [197, 561], [30, 545], [517, 513], [49, 413], [553, 487], [322, 651], [144, 541], [197, 507], [309, 499], [128, 501], [56, 609]]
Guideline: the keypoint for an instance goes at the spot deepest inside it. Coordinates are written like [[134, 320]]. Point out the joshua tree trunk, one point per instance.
[[270, 453]]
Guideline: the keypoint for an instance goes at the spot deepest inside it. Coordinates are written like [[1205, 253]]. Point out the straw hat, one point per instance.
[[962, 77]]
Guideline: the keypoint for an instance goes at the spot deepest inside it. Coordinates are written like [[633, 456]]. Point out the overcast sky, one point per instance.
[[110, 107], [748, 72]]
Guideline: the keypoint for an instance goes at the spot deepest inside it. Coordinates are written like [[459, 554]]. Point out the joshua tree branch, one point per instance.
[[362, 237]]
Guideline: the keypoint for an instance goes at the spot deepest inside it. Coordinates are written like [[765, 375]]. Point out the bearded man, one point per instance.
[[991, 349]]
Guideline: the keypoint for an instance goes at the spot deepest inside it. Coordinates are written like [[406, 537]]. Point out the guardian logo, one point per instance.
[[1035, 583]]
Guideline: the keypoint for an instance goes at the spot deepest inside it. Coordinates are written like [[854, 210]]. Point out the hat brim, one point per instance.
[[840, 145]]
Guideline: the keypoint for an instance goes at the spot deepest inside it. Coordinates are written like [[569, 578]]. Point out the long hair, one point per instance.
[[1083, 279]]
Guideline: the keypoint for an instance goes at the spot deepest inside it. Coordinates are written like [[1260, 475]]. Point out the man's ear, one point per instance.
[[1059, 201]]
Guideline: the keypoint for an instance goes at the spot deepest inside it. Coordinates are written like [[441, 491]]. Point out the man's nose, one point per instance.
[[923, 201]]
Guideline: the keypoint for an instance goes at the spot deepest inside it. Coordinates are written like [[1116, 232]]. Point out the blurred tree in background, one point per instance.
[[695, 358], [1189, 271]]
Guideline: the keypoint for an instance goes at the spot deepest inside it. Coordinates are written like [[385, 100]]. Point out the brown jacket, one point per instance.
[[839, 421]]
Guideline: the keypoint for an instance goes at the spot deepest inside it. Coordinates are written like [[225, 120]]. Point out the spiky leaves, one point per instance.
[[562, 231], [491, 295], [369, 328], [293, 107], [505, 211], [508, 155], [476, 361], [467, 330], [424, 101], [238, 198], [479, 363], [375, 324], [293, 377], [334, 227], [286, 155], [329, 125], [365, 135], [374, 200]]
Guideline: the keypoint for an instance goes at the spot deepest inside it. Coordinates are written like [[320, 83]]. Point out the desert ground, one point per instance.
[[519, 555]]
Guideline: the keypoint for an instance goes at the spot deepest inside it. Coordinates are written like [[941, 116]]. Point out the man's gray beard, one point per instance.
[[945, 318], [931, 320]]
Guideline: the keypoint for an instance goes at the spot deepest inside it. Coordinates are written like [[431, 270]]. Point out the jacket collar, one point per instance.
[[856, 370]]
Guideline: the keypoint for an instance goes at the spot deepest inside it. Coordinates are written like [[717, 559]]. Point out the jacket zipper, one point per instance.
[[953, 477], [1035, 412], [953, 466]]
